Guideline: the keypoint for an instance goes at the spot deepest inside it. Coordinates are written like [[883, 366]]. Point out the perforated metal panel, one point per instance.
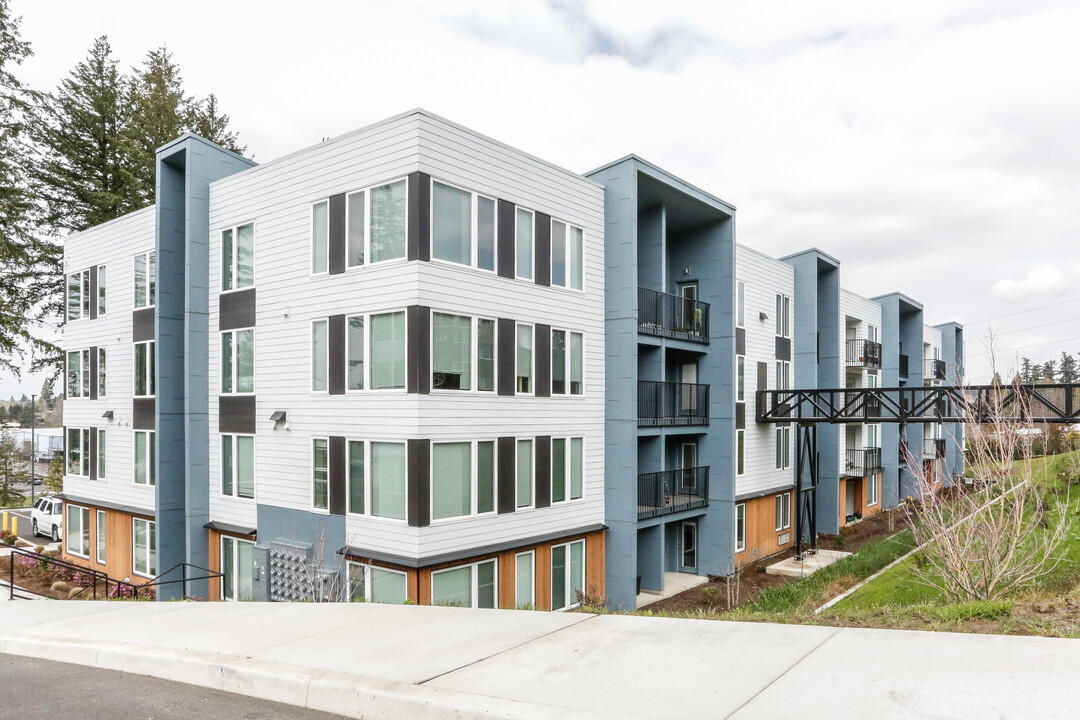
[[289, 572]]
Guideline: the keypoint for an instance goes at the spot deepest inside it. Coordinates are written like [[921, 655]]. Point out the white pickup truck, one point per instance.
[[47, 517]]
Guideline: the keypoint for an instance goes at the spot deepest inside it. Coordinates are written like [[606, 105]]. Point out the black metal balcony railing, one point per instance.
[[670, 403], [860, 463], [672, 316], [904, 366], [934, 370], [670, 491], [933, 447], [857, 403], [863, 353]]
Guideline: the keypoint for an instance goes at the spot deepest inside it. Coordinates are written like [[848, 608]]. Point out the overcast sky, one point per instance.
[[934, 148]]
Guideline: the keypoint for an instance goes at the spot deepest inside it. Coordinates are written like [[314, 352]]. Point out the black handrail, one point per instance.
[[862, 462], [669, 491], [671, 404], [673, 316], [863, 353], [97, 575], [934, 370]]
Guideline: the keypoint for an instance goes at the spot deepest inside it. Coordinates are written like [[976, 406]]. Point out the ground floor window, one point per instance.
[[467, 586], [871, 490], [144, 547], [101, 536], [368, 583], [567, 574], [783, 511], [740, 527], [236, 568], [524, 580], [77, 532]]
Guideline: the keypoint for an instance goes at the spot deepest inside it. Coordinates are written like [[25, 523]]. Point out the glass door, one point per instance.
[[689, 546]]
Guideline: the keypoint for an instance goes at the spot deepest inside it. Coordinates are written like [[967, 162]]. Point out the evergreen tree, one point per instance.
[[54, 479], [47, 399], [159, 114], [1027, 371], [1067, 371], [1049, 372], [207, 121], [10, 472], [83, 175]]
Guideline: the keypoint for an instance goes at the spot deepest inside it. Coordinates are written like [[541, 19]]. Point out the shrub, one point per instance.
[[59, 586]]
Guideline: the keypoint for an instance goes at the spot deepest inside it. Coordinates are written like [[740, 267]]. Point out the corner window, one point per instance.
[[101, 533], [567, 248], [453, 352], [525, 580], [238, 257], [783, 511], [145, 280], [462, 227], [567, 469], [144, 369], [567, 574], [387, 344], [740, 527], [524, 359], [77, 531], [524, 473], [238, 361], [460, 487], [523, 242], [368, 583], [472, 586], [145, 450], [376, 479], [387, 222], [238, 466], [320, 474], [144, 547], [236, 567]]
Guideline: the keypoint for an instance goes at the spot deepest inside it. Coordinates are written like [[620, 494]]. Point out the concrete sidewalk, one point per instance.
[[391, 661]]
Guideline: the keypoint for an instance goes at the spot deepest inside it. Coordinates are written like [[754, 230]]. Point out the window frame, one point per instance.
[[570, 601], [70, 279], [740, 527], [83, 376], [570, 228], [368, 480], [313, 469], [367, 317], [101, 298], [474, 480], [474, 354], [783, 448], [532, 474], [149, 380], [100, 536], [872, 489], [235, 228], [102, 374], [782, 511], [474, 589], [783, 315], [235, 469], [83, 434], [100, 459], [150, 440], [235, 563], [531, 277], [532, 359], [367, 568], [568, 362], [474, 227], [150, 291], [83, 536], [234, 361], [367, 222], [740, 452], [531, 604], [740, 378], [311, 227], [150, 554], [568, 455]]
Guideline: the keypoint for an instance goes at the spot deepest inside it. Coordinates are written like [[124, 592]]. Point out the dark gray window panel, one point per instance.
[[142, 325], [338, 470], [740, 341], [336, 241], [505, 241], [93, 292], [506, 449], [336, 355], [418, 487], [783, 348], [236, 309], [418, 245], [93, 454], [542, 450], [506, 344], [236, 414], [762, 376], [740, 416], [542, 353], [542, 249], [142, 414], [418, 349], [94, 373]]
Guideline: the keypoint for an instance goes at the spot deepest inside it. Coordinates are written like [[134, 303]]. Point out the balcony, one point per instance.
[[903, 367], [672, 316], [933, 448], [860, 463], [670, 404], [670, 491], [935, 370], [863, 353]]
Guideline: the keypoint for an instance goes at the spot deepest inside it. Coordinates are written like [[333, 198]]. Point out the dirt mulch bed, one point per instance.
[[52, 582], [714, 596]]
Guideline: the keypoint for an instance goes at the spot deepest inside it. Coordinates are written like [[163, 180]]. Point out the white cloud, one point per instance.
[[1045, 281]]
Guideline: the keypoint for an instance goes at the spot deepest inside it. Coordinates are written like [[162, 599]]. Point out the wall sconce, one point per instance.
[[108, 415]]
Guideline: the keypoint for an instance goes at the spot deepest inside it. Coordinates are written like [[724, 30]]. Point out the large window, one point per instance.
[[101, 545], [375, 352], [567, 574], [238, 361], [472, 586], [236, 568], [320, 474], [238, 257], [387, 344], [143, 547], [524, 473], [461, 486], [78, 295], [386, 227], [77, 531], [462, 227], [457, 362], [238, 465], [783, 448], [78, 374], [783, 316], [144, 369], [145, 451], [368, 583], [523, 241], [740, 527], [567, 255], [145, 280], [783, 511], [524, 359], [567, 363], [78, 451], [525, 580], [377, 479], [567, 469]]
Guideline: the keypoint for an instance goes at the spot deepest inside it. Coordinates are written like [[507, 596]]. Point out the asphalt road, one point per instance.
[[58, 691], [26, 528]]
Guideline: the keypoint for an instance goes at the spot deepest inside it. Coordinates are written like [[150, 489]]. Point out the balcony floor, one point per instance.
[[675, 503]]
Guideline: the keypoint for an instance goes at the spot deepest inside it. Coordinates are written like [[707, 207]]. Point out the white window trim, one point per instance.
[[67, 296], [570, 227], [100, 459], [102, 368], [150, 280], [83, 531], [740, 384], [474, 354], [236, 240], [100, 533], [531, 604], [742, 284], [474, 480], [235, 482], [101, 286], [149, 548], [367, 514], [235, 362], [151, 365], [368, 365], [367, 223], [532, 256], [740, 542], [571, 602], [151, 438], [783, 447], [782, 503], [311, 474], [567, 362], [783, 318], [236, 566], [84, 379], [84, 452], [311, 354], [872, 485], [518, 507], [474, 227], [475, 576], [738, 472], [568, 470], [311, 229], [532, 359]]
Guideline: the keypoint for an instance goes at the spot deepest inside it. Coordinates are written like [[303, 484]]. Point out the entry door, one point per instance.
[[689, 547], [689, 389], [688, 464], [687, 308], [850, 510]]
